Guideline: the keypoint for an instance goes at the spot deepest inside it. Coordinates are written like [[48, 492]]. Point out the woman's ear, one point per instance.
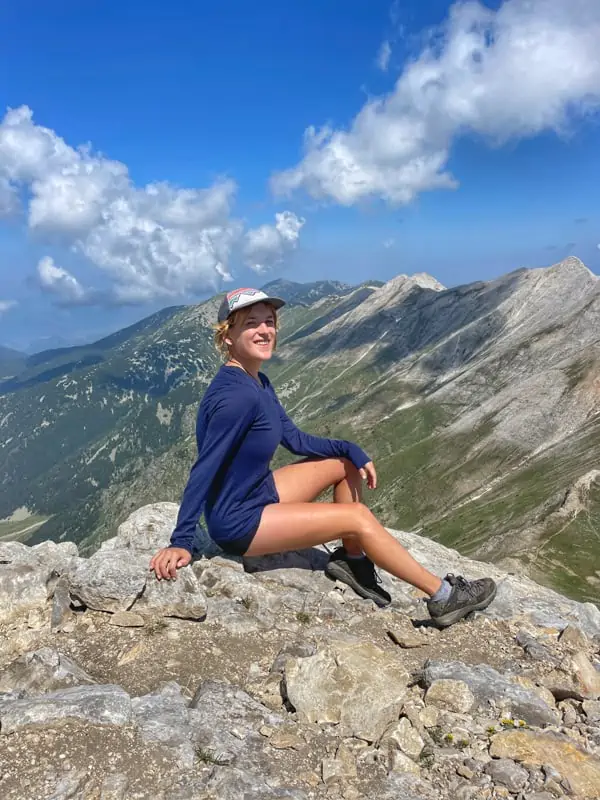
[[229, 342]]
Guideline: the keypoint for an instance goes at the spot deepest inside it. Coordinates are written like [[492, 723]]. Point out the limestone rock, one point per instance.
[[407, 639], [404, 737], [487, 685], [400, 762], [182, 597], [114, 787], [508, 773], [126, 619], [100, 705], [147, 529], [352, 683], [41, 671], [450, 695], [581, 681], [591, 709], [581, 769], [21, 586], [574, 638], [61, 606], [163, 717], [225, 722], [108, 580]]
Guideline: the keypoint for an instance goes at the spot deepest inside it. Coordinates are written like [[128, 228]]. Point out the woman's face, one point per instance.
[[253, 333]]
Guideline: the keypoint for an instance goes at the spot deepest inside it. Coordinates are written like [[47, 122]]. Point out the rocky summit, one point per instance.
[[261, 678]]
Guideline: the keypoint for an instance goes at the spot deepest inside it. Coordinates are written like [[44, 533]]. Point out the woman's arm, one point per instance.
[[227, 424], [305, 444]]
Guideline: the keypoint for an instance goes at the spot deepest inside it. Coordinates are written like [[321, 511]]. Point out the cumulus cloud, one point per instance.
[[59, 282], [6, 305], [266, 245], [155, 241], [383, 56], [528, 67]]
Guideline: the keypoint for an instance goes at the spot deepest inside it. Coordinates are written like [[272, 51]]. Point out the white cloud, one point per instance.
[[384, 55], [155, 241], [6, 305], [62, 284], [267, 245], [531, 66]]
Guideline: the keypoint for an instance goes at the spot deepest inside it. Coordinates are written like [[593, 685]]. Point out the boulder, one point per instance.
[[354, 684], [100, 705], [487, 685], [581, 769], [108, 580], [182, 597], [41, 671]]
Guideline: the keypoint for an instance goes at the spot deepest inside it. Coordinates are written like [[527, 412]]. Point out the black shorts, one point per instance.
[[236, 547]]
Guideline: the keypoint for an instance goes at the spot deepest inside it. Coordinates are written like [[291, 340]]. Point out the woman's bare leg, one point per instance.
[[305, 480], [292, 526]]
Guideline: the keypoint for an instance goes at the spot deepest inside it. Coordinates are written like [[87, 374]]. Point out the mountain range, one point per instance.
[[478, 404]]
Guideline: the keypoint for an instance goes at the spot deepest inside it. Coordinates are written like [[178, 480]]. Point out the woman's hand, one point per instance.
[[368, 473], [167, 561]]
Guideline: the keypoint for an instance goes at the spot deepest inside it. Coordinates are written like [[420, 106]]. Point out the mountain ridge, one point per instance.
[[479, 404]]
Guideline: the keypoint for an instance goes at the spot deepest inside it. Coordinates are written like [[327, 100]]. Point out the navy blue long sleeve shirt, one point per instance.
[[239, 426]]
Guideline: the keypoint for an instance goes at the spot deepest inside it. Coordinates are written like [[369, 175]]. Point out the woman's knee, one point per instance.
[[364, 519]]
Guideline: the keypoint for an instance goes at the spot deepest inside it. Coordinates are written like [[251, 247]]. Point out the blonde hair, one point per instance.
[[221, 329]]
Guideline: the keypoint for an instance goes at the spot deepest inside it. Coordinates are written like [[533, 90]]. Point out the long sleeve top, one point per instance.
[[239, 426]]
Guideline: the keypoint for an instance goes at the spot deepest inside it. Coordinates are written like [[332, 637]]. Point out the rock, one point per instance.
[[406, 786], [126, 619], [541, 691], [450, 695], [285, 739], [114, 787], [404, 737], [181, 598], [163, 717], [574, 638], [581, 769], [408, 639], [487, 685], [399, 762], [108, 580], [147, 529], [41, 671], [591, 709], [22, 586], [237, 784], [340, 768], [100, 705], [536, 650], [61, 606], [352, 683], [216, 710], [580, 682], [508, 773], [69, 785]]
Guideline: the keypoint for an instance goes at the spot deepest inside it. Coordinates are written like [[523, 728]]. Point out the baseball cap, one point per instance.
[[241, 298]]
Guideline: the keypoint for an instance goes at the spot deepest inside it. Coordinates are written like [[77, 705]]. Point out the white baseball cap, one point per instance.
[[241, 298]]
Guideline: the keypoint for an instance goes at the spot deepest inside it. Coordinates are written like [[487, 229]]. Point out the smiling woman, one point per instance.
[[250, 510]]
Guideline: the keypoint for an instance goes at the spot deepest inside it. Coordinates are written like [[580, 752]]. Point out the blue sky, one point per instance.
[[463, 169]]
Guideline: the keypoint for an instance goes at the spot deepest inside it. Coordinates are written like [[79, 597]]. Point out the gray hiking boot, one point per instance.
[[359, 573], [465, 597]]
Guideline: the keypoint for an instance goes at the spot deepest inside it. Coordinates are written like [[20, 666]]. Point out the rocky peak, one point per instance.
[[260, 677]]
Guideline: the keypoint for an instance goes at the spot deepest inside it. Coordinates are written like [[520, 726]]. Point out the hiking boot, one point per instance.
[[465, 597], [359, 573]]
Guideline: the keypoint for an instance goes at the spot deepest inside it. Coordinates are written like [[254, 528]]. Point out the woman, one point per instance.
[[252, 511]]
